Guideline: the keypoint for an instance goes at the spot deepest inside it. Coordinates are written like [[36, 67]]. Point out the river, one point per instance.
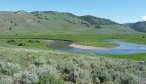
[[123, 48]]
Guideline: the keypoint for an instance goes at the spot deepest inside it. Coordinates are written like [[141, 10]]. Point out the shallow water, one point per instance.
[[123, 48]]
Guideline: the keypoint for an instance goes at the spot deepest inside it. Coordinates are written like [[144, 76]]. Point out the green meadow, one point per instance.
[[41, 41], [86, 39]]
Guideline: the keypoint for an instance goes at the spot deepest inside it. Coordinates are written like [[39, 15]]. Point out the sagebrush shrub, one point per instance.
[[25, 77], [9, 68], [39, 61], [6, 80]]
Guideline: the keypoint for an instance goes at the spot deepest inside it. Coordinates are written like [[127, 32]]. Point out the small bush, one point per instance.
[[10, 28], [15, 24], [37, 41], [39, 61], [20, 44], [11, 41], [31, 41], [97, 26]]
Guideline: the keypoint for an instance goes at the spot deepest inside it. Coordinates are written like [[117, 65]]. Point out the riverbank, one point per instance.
[[89, 47]]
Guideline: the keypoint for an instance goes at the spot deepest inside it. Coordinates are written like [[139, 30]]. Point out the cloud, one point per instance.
[[133, 21], [143, 18]]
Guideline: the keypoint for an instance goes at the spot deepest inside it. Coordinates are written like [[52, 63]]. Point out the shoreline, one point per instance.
[[89, 47]]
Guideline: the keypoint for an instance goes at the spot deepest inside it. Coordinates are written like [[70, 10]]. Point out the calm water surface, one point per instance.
[[123, 48]]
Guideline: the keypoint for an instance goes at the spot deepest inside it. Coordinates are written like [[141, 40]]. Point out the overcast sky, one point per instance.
[[121, 11]]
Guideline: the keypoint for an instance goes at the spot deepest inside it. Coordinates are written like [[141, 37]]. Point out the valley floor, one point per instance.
[[28, 61]]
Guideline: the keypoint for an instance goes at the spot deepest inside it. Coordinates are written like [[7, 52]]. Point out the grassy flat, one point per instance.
[[38, 41], [88, 39]]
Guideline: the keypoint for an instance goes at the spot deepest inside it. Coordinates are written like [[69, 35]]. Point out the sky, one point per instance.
[[122, 11]]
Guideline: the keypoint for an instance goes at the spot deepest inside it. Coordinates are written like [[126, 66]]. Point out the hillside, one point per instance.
[[96, 21], [138, 26], [57, 23]]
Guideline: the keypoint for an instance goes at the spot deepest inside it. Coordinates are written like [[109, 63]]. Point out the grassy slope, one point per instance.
[[138, 26]]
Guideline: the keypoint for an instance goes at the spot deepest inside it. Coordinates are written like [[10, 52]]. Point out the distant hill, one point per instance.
[[96, 21], [52, 22], [138, 26]]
